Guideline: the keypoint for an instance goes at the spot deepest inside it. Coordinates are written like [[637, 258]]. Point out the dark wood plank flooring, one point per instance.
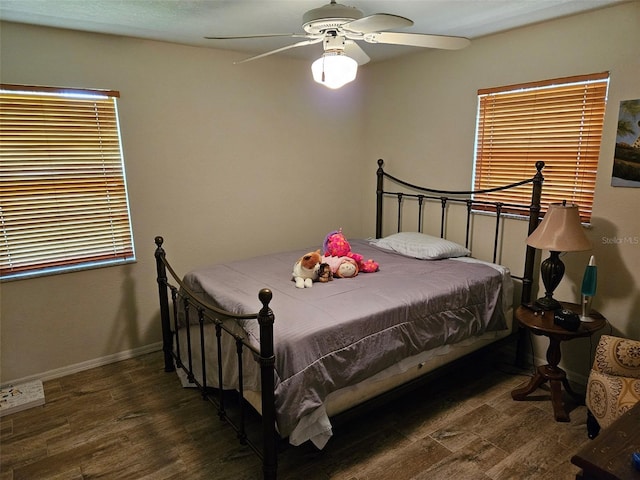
[[131, 420]]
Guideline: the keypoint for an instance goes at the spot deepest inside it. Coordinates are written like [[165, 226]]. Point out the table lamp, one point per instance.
[[559, 231]]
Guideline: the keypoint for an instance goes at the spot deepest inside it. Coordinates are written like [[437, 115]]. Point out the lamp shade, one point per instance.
[[560, 230], [334, 69]]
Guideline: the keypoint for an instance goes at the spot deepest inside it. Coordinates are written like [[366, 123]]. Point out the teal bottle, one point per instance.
[[590, 279]]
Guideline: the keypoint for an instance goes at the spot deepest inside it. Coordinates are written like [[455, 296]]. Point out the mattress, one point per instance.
[[347, 340]]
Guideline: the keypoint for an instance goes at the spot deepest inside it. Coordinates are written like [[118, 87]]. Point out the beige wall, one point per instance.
[[259, 159], [281, 161], [426, 125]]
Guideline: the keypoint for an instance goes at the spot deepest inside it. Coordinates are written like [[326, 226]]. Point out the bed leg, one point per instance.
[[167, 336], [267, 373], [521, 347]]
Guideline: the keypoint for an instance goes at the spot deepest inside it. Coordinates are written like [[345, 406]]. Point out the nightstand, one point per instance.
[[542, 324]]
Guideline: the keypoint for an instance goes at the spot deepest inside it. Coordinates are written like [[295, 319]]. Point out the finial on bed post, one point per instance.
[[167, 335], [267, 373], [379, 194]]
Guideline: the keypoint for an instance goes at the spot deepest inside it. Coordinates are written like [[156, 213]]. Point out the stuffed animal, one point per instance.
[[342, 267], [324, 273], [336, 245], [305, 270]]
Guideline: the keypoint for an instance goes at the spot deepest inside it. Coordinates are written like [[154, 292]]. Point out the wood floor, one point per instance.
[[130, 420]]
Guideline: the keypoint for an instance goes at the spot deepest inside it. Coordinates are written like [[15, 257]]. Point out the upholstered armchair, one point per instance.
[[614, 382]]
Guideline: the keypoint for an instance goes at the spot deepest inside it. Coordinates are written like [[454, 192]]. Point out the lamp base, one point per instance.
[[586, 309], [551, 270], [548, 303]]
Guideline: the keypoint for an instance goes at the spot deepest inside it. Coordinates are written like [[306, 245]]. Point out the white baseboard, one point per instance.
[[96, 362]]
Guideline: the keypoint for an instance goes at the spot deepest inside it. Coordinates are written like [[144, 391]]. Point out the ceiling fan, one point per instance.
[[339, 27]]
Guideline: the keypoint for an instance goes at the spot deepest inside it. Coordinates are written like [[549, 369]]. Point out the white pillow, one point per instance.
[[421, 245]]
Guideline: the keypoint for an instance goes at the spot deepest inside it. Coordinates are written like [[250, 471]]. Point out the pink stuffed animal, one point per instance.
[[341, 267], [336, 245]]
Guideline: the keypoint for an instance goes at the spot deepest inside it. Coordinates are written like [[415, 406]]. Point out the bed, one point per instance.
[[311, 355]]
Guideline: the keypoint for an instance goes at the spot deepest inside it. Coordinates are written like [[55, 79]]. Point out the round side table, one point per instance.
[[542, 324]]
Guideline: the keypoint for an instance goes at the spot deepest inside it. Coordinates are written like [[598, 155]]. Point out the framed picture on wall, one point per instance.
[[626, 160]]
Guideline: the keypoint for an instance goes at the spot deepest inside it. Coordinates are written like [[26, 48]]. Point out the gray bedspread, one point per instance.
[[338, 333]]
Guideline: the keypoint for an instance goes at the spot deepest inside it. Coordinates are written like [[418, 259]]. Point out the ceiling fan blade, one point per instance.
[[353, 50], [267, 35], [418, 40], [377, 22], [278, 50]]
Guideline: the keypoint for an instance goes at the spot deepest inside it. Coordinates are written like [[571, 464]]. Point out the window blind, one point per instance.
[[63, 197], [557, 121]]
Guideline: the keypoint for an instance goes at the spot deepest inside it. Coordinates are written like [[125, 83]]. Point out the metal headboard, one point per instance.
[[446, 197]]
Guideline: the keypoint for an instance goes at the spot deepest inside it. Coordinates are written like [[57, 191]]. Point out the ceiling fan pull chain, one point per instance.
[[323, 77]]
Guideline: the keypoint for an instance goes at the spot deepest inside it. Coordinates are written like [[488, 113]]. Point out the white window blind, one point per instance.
[[63, 197], [557, 121]]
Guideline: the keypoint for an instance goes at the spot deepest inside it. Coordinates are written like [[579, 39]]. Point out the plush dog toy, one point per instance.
[[336, 245], [324, 273], [305, 270]]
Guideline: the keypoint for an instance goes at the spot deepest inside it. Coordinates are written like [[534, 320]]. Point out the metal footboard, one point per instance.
[[176, 294]]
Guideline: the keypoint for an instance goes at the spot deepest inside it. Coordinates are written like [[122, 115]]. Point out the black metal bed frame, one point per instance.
[[446, 197], [184, 299]]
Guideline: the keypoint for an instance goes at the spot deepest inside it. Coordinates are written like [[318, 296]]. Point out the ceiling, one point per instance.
[[188, 21]]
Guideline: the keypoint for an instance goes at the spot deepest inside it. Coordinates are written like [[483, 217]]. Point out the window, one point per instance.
[[557, 121], [63, 197]]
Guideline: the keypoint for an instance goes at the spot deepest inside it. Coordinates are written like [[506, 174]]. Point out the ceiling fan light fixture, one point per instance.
[[334, 69]]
